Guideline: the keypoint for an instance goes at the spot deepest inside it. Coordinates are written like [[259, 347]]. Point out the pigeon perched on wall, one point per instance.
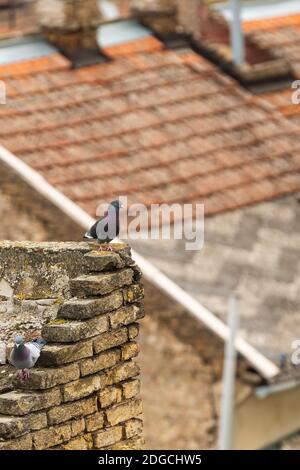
[[107, 227], [24, 355]]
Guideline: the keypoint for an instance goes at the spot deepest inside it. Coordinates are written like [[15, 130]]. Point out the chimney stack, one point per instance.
[[71, 25], [159, 15]]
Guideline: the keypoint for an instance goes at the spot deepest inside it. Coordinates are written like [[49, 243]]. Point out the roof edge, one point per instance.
[[260, 362]]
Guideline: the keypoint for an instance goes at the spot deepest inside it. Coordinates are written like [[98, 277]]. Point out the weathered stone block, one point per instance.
[[102, 361], [94, 422], [137, 272], [77, 426], [122, 372], [97, 261], [100, 284], [110, 339], [133, 330], [79, 443], [47, 378], [38, 281], [19, 403], [129, 350], [83, 309], [6, 378], [110, 396], [57, 354], [131, 388], [61, 331], [22, 443], [52, 436], [108, 437], [62, 413], [126, 315], [123, 412], [82, 388], [133, 293], [133, 427], [14, 426]]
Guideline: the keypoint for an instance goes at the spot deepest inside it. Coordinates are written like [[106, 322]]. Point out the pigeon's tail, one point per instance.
[[88, 236], [40, 343]]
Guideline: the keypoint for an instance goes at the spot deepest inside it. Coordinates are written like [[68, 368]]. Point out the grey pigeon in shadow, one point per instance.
[[24, 355], [107, 227]]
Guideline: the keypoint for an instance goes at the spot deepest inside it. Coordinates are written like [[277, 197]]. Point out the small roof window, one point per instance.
[[16, 50], [121, 32]]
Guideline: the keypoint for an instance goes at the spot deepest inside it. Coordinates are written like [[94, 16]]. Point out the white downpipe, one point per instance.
[[228, 386], [237, 36], [267, 368]]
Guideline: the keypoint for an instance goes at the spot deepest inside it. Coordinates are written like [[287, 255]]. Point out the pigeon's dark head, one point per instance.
[[19, 340], [116, 204]]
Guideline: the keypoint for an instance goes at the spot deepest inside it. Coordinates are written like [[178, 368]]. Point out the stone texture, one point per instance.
[[14, 426], [38, 281], [80, 443], [47, 378], [20, 403], [77, 426], [59, 331], [94, 422], [76, 309], [110, 339], [131, 388], [102, 361], [62, 413], [133, 330], [82, 388], [110, 396], [97, 261], [101, 284], [52, 436], [123, 412], [133, 293], [107, 437], [122, 372], [126, 315], [133, 427], [57, 354], [22, 443], [6, 378], [129, 350]]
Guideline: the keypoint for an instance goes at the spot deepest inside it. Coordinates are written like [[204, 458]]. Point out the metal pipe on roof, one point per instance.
[[266, 390], [237, 36], [229, 370], [266, 367]]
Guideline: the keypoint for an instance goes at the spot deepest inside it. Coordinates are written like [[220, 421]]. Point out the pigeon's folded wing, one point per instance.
[[34, 353]]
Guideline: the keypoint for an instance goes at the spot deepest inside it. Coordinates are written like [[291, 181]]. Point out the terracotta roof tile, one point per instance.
[[158, 126], [147, 44], [43, 64]]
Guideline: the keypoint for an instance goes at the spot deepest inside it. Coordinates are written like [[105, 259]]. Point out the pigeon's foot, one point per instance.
[[106, 248], [25, 374]]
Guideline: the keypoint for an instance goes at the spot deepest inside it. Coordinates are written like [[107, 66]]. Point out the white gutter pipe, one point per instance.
[[267, 368], [228, 384]]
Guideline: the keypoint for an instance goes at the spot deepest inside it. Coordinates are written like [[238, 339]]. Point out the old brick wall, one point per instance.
[[84, 391]]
